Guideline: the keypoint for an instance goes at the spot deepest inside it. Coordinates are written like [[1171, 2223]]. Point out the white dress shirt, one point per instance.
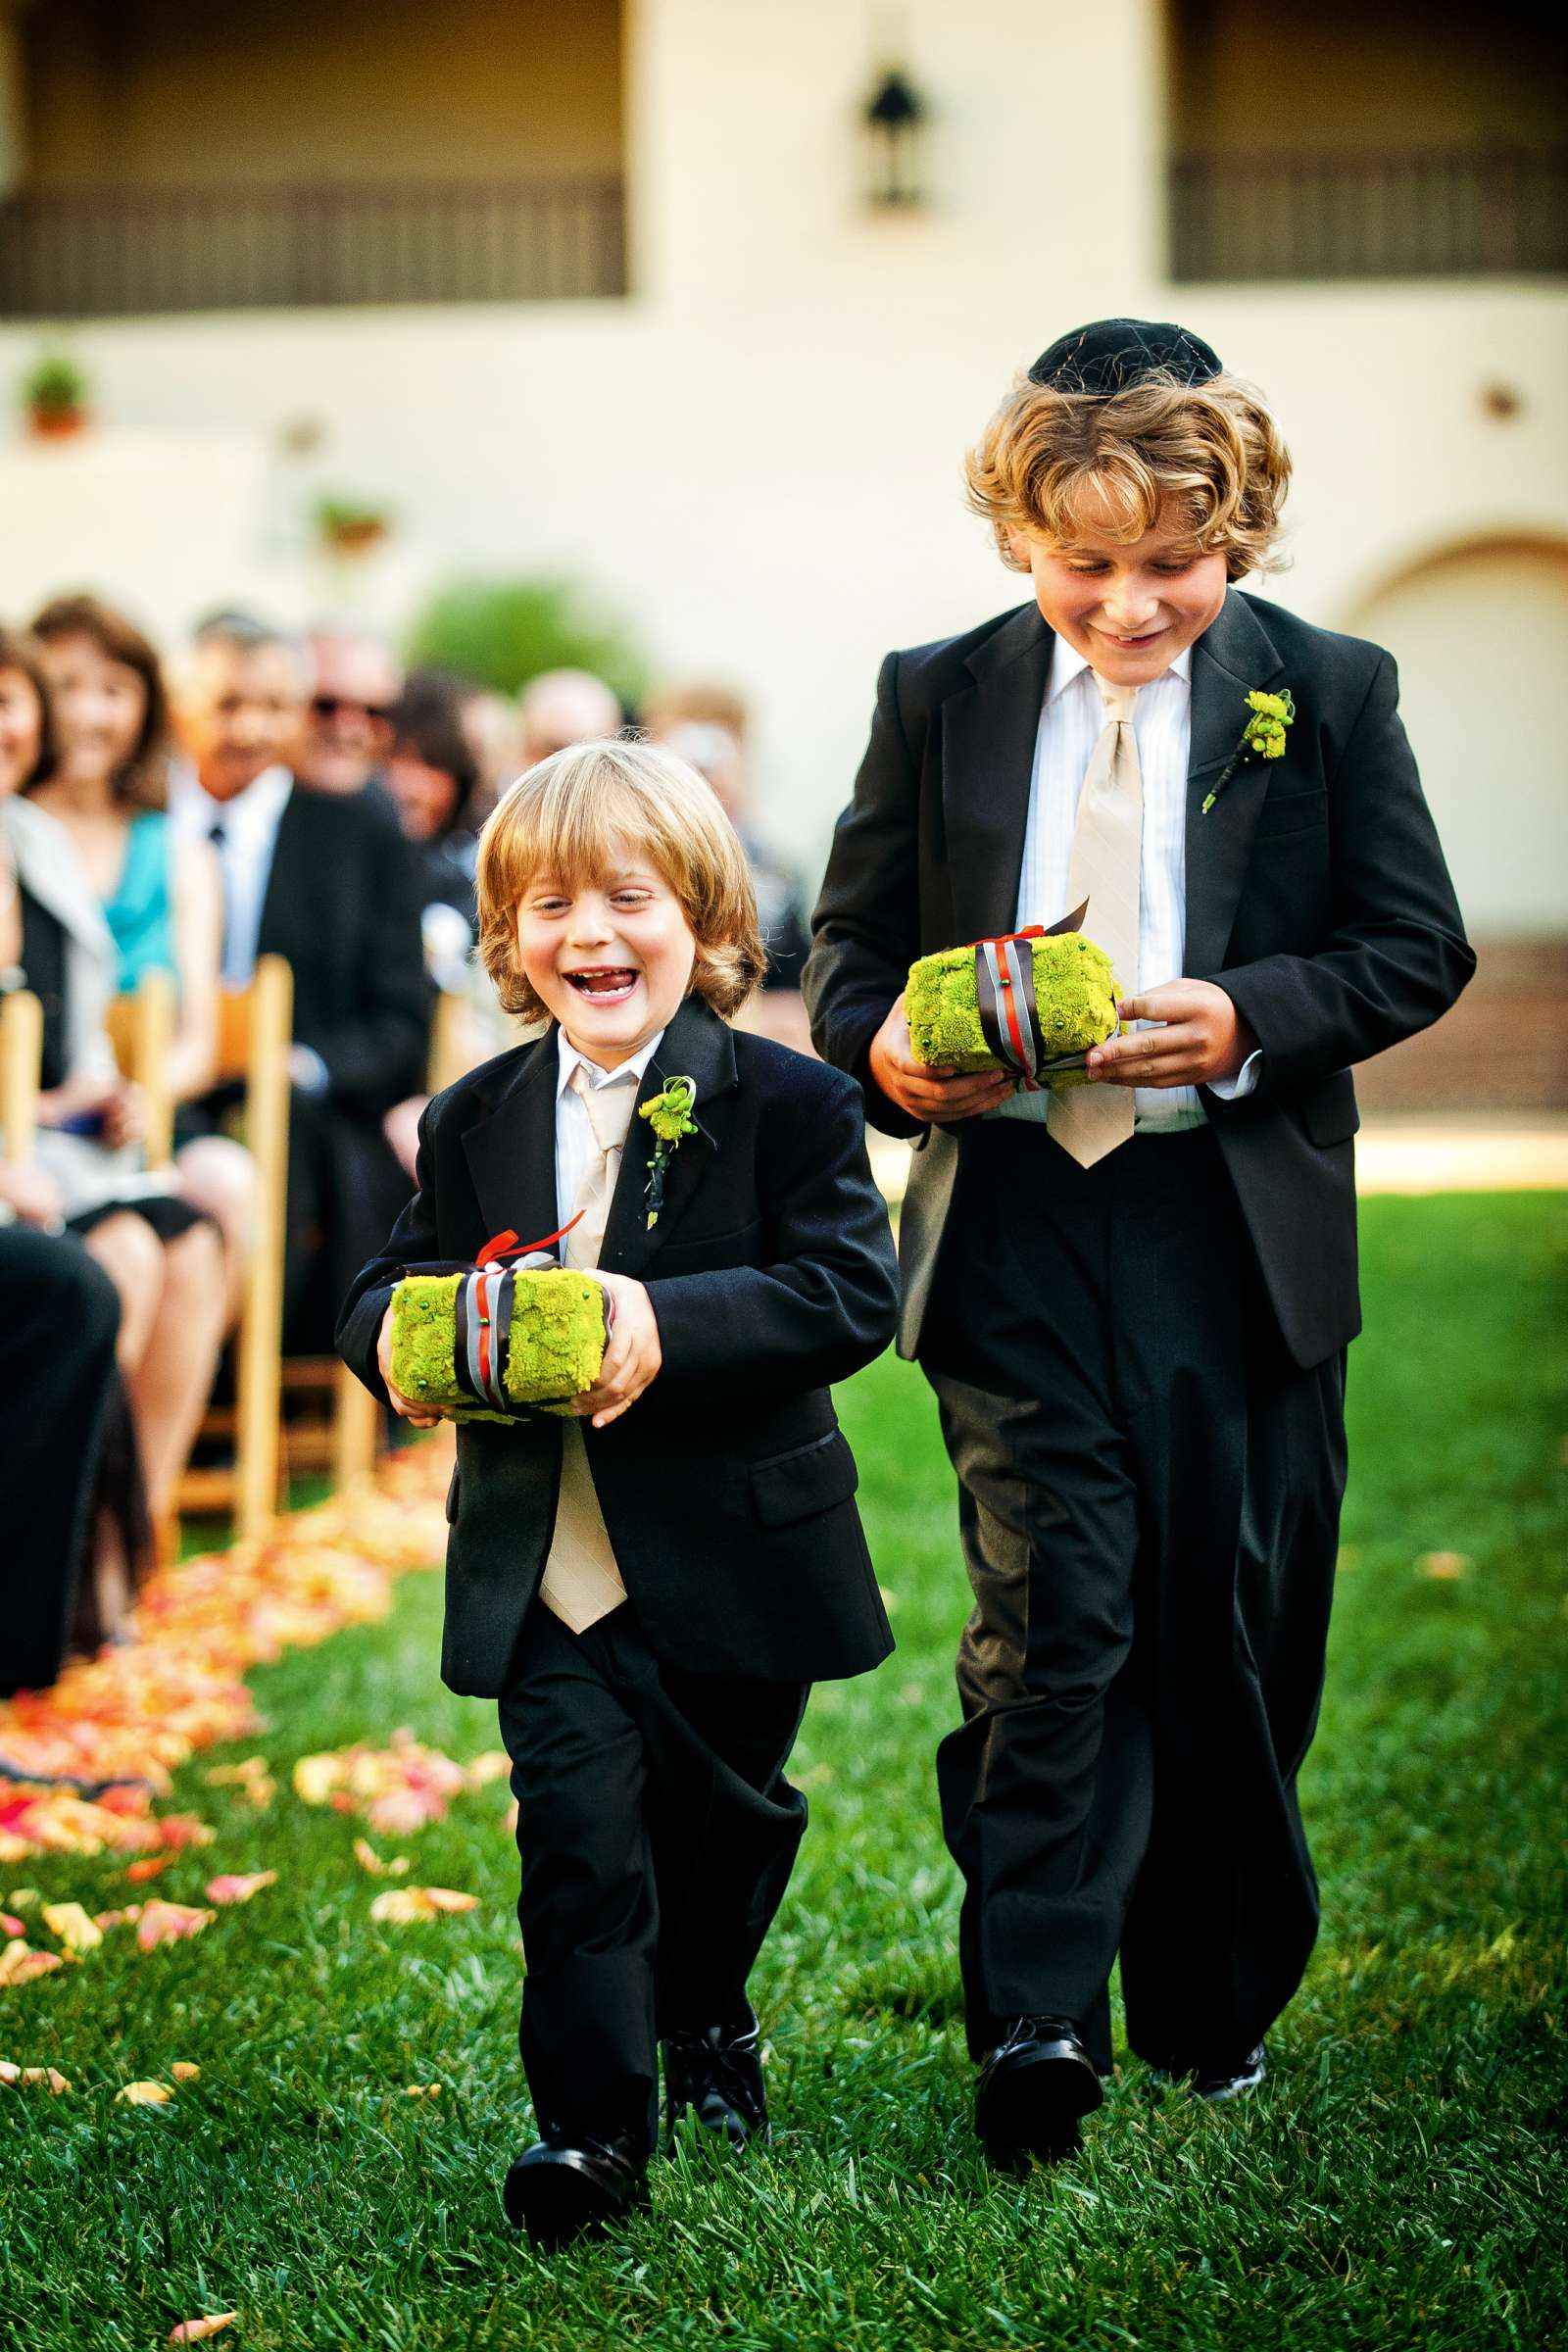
[[249, 823], [1072, 718], [575, 1138]]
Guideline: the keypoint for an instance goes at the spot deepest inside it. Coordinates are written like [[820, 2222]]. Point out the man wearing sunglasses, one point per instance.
[[348, 729]]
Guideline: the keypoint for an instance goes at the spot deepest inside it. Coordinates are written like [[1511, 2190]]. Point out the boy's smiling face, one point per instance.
[[1129, 607], [610, 958]]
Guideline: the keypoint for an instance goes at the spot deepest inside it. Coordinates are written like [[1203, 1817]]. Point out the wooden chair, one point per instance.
[[255, 1025], [21, 1062]]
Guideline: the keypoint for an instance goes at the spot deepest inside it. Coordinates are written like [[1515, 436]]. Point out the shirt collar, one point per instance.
[[253, 812], [597, 1077], [1067, 665]]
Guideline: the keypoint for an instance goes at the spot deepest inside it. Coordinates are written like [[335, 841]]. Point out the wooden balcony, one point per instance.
[[1421, 212], [122, 251]]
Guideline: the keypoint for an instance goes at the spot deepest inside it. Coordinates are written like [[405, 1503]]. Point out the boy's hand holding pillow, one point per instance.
[[1030, 1006]]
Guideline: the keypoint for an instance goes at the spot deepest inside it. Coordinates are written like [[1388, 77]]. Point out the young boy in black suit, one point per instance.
[[1134, 1297], [650, 1588]]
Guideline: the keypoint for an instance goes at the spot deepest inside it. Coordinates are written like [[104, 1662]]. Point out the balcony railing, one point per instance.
[[117, 252], [1481, 212]]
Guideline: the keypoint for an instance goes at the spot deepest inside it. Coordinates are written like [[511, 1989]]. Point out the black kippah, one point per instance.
[[1112, 354]]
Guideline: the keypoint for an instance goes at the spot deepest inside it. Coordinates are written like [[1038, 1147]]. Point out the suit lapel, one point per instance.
[[697, 1045], [1234, 656], [287, 894], [988, 758], [512, 1154]]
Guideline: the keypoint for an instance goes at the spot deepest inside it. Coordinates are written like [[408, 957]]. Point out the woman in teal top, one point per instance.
[[164, 904], [140, 909]]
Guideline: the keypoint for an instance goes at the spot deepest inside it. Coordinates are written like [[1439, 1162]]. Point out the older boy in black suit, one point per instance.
[[1133, 1299], [650, 1588]]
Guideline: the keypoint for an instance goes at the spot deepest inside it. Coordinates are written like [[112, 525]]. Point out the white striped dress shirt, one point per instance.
[[1071, 720]]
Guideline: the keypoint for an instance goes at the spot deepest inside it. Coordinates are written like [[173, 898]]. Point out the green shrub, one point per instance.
[[503, 632]]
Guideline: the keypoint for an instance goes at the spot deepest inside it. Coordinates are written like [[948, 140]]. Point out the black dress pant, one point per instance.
[[62, 1319], [1148, 1506], [656, 1832]]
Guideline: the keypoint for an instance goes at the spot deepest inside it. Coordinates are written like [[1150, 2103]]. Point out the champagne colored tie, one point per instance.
[[581, 1580], [1088, 1121]]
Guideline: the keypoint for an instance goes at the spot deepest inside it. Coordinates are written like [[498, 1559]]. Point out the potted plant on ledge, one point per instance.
[[348, 527], [53, 393]]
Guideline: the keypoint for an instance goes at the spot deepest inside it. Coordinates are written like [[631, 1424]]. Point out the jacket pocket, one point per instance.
[[1286, 813], [808, 1479], [1329, 1111]]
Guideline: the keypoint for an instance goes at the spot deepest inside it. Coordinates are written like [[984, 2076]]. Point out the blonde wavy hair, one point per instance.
[[1208, 454], [576, 816]]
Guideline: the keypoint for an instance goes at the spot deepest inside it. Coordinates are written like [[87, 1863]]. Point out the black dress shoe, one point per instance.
[[563, 2188], [1033, 2091], [717, 2072]]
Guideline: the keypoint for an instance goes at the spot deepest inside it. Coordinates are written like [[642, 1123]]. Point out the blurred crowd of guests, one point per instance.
[[291, 795]]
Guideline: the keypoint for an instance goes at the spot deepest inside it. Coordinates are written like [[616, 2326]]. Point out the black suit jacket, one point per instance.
[[1316, 896], [727, 1488], [342, 906]]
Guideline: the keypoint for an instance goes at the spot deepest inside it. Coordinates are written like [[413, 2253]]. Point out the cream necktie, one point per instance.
[[581, 1582], [1088, 1121]]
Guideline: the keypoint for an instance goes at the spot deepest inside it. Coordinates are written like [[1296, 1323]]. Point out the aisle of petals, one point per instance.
[[135, 1712]]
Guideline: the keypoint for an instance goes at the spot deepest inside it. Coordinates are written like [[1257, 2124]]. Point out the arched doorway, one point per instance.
[[1479, 633]]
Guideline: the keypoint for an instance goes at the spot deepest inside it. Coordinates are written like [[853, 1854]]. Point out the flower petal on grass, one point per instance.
[[170, 1923], [28, 2076], [196, 2331], [73, 1926], [421, 2091], [19, 1963], [185, 2070], [365, 1855], [144, 2094], [236, 1888], [148, 1867], [1447, 1567], [402, 1905], [493, 1765], [10, 1925]]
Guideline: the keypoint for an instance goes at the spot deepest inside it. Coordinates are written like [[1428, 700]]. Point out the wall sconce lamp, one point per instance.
[[895, 117]]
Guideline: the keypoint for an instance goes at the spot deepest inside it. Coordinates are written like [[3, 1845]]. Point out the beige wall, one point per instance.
[[1479, 633], [159, 92], [1298, 75]]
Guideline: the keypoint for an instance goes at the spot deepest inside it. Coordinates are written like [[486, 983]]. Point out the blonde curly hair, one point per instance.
[[1209, 455], [575, 816]]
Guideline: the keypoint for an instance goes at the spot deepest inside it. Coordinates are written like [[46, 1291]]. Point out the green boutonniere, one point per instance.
[[670, 1114], [1262, 737]]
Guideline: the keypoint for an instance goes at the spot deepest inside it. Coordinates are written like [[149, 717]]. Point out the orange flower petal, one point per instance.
[[148, 1867], [144, 2094], [236, 1889], [184, 2070], [20, 1964], [71, 1924], [196, 2331], [170, 1923]]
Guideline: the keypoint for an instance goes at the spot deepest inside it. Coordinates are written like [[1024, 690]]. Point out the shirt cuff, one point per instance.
[[1245, 1082], [308, 1070]]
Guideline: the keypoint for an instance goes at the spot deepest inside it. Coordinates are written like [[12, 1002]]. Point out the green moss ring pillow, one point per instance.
[[1031, 1003], [491, 1343]]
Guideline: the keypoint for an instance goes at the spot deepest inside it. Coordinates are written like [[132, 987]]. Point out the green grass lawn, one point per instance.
[[1396, 2184]]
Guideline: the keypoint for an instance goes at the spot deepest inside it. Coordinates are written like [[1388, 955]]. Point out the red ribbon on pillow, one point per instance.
[[507, 1244]]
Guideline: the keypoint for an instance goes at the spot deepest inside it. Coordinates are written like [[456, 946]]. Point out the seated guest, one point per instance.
[[706, 727], [562, 706], [355, 682], [324, 880], [162, 1254], [164, 910], [57, 1379], [432, 776]]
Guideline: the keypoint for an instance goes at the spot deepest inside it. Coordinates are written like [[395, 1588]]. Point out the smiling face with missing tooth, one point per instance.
[[610, 957]]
